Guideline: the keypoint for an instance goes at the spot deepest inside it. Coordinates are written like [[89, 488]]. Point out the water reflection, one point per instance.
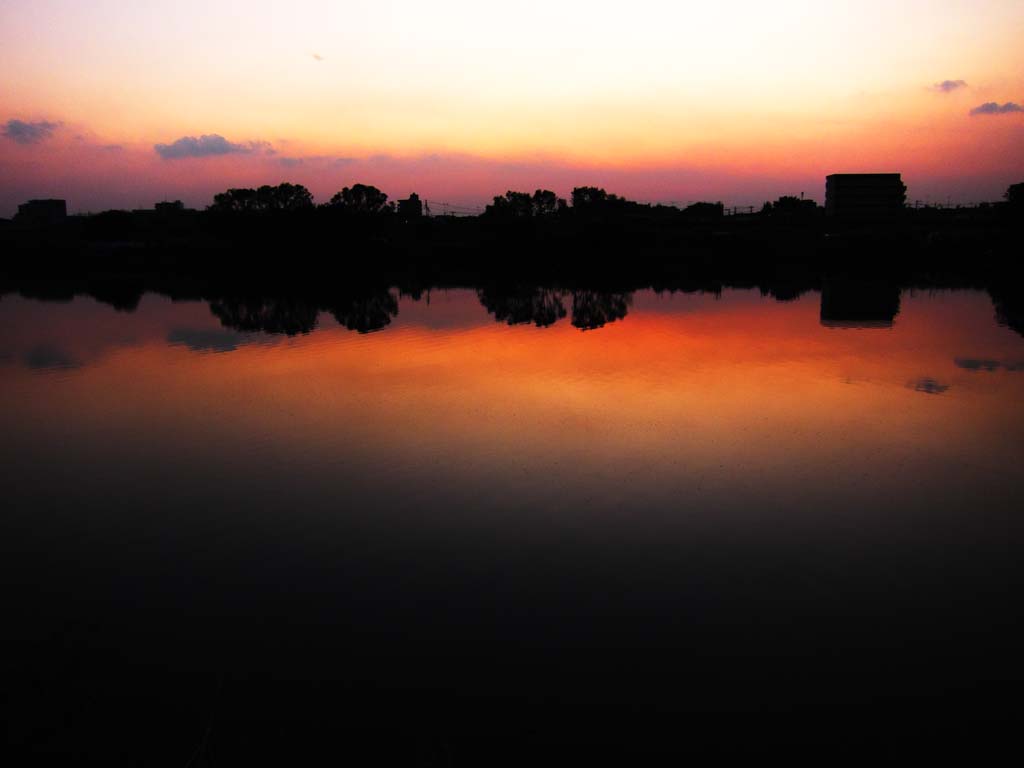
[[973, 364], [243, 320], [845, 302], [1009, 303], [209, 340], [288, 315], [366, 313], [595, 309], [928, 385], [713, 498], [853, 303], [523, 304], [45, 356]]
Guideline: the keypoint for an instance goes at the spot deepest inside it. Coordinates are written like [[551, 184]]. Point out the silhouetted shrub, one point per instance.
[[283, 197], [522, 205], [362, 200]]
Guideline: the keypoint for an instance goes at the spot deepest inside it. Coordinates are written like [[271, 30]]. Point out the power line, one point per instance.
[[444, 208]]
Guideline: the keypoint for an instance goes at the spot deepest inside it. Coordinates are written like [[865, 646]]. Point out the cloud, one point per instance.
[[316, 161], [46, 357], [21, 132], [209, 145], [90, 143], [948, 86], [994, 108], [203, 340], [928, 385], [975, 364]]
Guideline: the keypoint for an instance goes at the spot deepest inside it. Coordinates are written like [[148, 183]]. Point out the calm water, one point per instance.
[[457, 532]]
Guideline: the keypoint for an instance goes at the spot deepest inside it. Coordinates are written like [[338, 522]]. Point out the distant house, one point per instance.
[[169, 208], [790, 208], [39, 213], [703, 213], [410, 208], [864, 196]]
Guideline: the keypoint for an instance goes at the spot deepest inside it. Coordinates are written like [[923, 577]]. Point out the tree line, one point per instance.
[[367, 200]]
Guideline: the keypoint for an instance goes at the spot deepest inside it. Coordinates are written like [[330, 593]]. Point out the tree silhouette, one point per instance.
[[235, 200], [588, 197], [283, 197], [361, 199], [514, 205], [547, 203], [594, 202], [523, 205]]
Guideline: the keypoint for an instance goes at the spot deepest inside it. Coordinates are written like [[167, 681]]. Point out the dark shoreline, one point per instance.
[[278, 278]]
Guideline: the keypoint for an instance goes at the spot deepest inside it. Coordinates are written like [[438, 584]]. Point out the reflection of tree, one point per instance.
[[540, 306], [593, 309], [781, 291], [1009, 306], [366, 313], [122, 296], [270, 315]]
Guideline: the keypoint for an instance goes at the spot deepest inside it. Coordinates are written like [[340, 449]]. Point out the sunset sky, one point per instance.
[[115, 104]]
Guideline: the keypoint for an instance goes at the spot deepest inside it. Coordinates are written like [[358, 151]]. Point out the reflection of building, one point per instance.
[[849, 303], [864, 195], [411, 208], [42, 212]]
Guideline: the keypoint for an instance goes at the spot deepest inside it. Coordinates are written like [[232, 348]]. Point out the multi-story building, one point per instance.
[[864, 196]]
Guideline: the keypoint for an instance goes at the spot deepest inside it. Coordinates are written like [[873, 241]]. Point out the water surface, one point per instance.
[[628, 508]]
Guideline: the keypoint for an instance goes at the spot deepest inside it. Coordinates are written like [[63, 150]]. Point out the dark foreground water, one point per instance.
[[715, 523]]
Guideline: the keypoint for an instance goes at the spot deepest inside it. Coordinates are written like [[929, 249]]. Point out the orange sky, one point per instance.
[[459, 101]]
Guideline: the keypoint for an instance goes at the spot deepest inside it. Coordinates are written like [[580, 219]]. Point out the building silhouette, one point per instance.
[[864, 196], [410, 208], [39, 213], [1015, 195], [169, 207]]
